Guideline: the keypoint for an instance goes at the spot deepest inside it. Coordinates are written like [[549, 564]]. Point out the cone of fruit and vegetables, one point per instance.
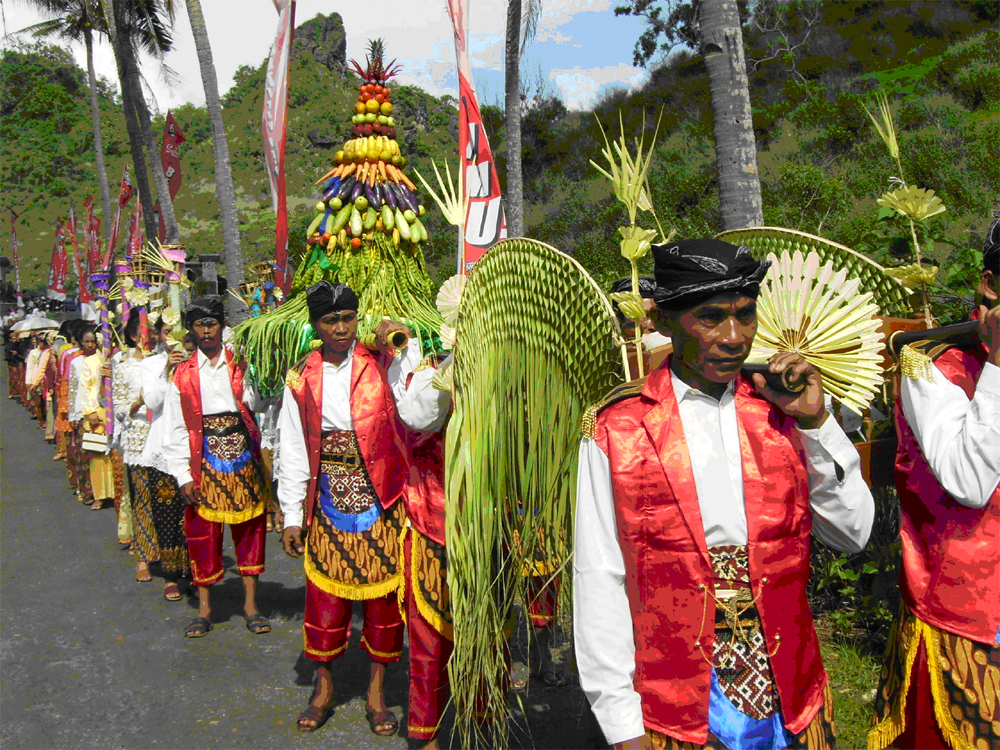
[[366, 233]]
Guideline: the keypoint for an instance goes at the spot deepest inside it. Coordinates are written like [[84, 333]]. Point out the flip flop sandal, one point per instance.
[[317, 714], [197, 628], [256, 624], [382, 717], [171, 593]]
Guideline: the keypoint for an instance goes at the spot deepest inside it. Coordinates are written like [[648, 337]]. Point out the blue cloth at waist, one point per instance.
[[226, 467], [353, 523], [740, 732]]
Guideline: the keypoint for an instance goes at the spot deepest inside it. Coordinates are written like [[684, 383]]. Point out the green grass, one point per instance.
[[854, 673]]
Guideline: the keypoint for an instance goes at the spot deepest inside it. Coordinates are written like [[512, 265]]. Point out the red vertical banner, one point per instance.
[[124, 194], [133, 244], [13, 252], [81, 276], [92, 237], [485, 222], [57, 267], [170, 159], [274, 127]]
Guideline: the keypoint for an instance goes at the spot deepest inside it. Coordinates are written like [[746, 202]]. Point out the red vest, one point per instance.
[[667, 565], [373, 411], [188, 383], [950, 575], [423, 490]]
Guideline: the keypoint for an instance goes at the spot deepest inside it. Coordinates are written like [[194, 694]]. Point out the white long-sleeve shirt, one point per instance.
[[842, 511], [959, 437], [216, 398], [153, 375], [293, 470]]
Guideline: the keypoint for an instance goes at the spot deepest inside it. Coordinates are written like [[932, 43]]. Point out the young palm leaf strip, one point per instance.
[[536, 344], [366, 233]]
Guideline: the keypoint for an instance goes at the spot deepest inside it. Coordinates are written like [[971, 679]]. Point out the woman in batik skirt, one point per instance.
[[156, 491]]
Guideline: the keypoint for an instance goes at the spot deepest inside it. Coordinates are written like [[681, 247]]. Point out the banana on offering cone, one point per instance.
[[366, 233]]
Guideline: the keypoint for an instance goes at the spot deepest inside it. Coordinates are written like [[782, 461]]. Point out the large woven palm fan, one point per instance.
[[889, 294], [536, 344], [812, 309]]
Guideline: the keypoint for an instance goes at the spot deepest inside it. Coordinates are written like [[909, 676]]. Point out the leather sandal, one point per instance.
[[197, 628], [382, 716]]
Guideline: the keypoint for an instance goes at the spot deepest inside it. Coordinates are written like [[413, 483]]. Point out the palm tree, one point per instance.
[[138, 25], [732, 123], [223, 172], [522, 20], [76, 21]]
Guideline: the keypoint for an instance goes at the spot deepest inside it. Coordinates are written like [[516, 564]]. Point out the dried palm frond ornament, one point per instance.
[[806, 306], [536, 343]]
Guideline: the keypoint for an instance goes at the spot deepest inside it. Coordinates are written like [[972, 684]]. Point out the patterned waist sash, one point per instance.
[[232, 486], [739, 653], [346, 495]]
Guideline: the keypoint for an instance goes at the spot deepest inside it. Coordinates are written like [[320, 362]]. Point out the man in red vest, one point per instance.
[[212, 447], [340, 477], [697, 494], [940, 683]]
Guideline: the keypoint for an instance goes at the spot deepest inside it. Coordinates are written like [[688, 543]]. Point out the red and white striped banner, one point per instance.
[[275, 130], [57, 266], [485, 222]]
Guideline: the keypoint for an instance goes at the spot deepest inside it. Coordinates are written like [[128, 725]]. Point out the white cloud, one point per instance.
[[579, 86]]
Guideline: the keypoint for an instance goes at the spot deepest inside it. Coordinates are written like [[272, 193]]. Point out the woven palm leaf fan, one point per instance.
[[537, 343], [889, 294], [812, 309]]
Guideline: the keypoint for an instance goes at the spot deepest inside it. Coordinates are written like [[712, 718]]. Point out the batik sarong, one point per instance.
[[159, 491], [352, 553], [232, 485], [123, 499], [935, 686], [144, 530]]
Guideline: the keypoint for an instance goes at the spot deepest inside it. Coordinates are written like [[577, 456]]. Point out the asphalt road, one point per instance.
[[89, 658]]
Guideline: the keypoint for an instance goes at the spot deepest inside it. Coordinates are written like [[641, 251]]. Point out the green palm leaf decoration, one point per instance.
[[889, 294], [537, 343]]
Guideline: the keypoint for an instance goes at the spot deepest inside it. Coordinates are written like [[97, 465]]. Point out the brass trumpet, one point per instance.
[[397, 340]]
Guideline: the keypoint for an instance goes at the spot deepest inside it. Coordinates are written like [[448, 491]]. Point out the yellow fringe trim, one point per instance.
[[323, 654], [883, 734], [380, 654], [401, 591], [350, 591], [413, 729], [230, 517], [436, 621]]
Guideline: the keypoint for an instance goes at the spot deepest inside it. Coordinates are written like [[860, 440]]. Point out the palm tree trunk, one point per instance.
[[162, 186], [224, 190], [123, 57], [512, 112], [95, 111], [732, 123]]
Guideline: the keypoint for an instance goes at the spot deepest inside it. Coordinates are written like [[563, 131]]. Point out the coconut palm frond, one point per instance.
[[451, 201], [526, 367]]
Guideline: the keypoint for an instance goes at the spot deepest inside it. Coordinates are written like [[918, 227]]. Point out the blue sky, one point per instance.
[[580, 49]]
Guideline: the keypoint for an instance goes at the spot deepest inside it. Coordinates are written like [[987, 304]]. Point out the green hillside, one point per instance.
[[822, 167]]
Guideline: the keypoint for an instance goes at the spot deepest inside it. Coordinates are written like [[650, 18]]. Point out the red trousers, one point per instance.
[[204, 542], [921, 732], [327, 626], [542, 600], [429, 654]]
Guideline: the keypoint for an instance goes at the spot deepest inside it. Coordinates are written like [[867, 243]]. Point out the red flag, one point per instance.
[[170, 159], [81, 277], [92, 237], [13, 251], [124, 194], [274, 125], [133, 246], [57, 267], [485, 223]]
